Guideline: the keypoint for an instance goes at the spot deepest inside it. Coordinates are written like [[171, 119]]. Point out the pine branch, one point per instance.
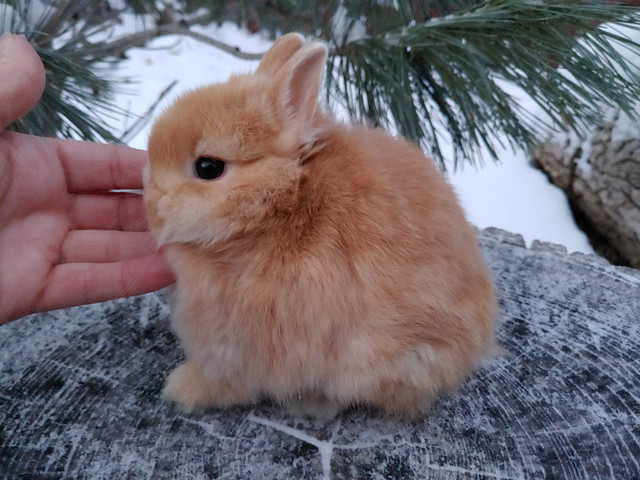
[[447, 72], [78, 94], [74, 41]]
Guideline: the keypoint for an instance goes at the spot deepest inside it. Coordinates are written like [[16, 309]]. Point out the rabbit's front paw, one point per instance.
[[187, 387], [192, 391]]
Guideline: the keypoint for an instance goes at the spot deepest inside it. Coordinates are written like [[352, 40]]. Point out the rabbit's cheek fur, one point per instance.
[[184, 220]]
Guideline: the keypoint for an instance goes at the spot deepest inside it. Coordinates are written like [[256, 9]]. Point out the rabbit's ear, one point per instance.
[[298, 83], [280, 53]]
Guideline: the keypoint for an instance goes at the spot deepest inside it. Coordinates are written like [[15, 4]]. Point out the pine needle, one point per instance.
[[449, 73]]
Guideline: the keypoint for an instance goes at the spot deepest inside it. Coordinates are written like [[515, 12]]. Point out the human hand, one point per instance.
[[65, 238]]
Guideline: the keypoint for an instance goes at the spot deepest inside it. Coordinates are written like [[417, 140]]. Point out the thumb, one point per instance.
[[22, 78]]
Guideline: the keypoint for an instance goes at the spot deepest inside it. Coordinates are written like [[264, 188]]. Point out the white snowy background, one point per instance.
[[510, 194]]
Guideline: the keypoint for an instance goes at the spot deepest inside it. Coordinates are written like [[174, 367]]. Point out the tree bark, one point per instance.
[[601, 178]]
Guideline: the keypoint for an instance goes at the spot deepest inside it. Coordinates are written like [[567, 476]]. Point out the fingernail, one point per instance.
[[6, 43]]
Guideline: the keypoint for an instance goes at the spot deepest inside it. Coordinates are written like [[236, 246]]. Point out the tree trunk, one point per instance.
[[601, 178]]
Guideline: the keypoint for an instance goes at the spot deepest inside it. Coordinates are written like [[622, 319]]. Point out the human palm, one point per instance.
[[66, 238]]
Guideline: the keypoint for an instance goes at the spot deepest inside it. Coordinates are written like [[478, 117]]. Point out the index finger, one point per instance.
[[92, 167]]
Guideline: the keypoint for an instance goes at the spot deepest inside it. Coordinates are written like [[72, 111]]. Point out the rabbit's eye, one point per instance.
[[209, 168]]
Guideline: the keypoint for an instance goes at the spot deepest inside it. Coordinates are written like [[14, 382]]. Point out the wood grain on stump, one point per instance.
[[80, 394]]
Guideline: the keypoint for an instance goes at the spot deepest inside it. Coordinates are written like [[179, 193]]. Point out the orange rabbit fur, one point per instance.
[[328, 265]]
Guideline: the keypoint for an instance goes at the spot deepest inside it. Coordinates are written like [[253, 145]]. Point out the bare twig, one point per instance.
[[144, 118], [138, 39]]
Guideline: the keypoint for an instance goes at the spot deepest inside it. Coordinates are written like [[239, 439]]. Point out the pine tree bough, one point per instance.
[[601, 179]]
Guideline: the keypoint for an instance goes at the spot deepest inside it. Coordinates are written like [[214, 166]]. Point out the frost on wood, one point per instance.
[[80, 394], [601, 178]]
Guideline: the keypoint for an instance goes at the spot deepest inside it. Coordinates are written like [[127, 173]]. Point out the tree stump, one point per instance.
[[80, 394], [601, 178]]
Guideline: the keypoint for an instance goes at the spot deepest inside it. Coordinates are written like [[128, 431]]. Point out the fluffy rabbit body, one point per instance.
[[318, 264]]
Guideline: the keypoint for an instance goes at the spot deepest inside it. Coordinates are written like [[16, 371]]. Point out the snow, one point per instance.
[[324, 448], [510, 195], [346, 30], [624, 127], [514, 196]]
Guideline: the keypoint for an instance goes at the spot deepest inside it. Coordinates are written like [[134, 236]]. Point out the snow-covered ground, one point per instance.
[[510, 195]]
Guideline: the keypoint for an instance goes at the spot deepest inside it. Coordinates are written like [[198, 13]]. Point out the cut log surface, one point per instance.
[[80, 394]]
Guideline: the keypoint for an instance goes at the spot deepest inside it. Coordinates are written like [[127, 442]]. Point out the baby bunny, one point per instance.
[[318, 264]]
